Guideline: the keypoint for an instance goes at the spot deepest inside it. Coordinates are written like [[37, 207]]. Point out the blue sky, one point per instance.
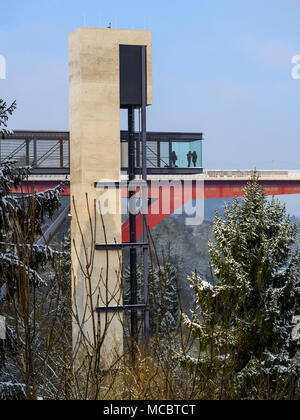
[[219, 66]]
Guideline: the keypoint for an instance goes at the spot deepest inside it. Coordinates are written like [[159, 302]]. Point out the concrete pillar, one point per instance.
[[95, 157]]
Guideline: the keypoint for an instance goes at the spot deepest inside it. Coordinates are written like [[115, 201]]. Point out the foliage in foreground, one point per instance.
[[27, 299], [243, 322]]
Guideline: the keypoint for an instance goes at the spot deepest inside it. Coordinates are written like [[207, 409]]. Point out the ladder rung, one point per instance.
[[121, 184], [120, 308], [114, 247]]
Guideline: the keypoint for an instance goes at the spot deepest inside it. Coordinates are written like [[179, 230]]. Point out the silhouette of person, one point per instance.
[[189, 158], [174, 158], [194, 157]]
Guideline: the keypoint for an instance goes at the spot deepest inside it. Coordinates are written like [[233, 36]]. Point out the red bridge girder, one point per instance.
[[178, 197], [212, 188]]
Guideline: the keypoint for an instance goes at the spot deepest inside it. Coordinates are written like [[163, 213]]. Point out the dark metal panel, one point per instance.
[[27, 152], [34, 152], [150, 171], [174, 171], [165, 136], [130, 75], [61, 153], [40, 135], [50, 171], [169, 171]]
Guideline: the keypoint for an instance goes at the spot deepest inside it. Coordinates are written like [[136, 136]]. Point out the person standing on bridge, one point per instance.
[[189, 158], [195, 158], [174, 159]]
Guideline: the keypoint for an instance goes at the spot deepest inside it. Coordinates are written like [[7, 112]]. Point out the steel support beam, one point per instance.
[[145, 198], [132, 221], [54, 227]]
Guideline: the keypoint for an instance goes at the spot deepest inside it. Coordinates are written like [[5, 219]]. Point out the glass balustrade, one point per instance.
[[168, 154], [186, 154]]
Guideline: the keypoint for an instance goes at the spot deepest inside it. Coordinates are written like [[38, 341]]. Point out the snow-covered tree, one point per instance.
[[5, 112], [21, 260], [244, 318]]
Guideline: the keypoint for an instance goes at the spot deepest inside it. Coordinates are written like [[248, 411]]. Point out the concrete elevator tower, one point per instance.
[[97, 92]]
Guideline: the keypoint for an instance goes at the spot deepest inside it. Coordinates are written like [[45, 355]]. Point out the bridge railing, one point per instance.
[[44, 151], [246, 174]]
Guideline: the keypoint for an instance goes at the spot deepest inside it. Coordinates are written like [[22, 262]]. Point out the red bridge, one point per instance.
[[47, 152], [212, 184]]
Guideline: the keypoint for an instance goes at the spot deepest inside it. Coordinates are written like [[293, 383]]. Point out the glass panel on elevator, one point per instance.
[[186, 154], [164, 154]]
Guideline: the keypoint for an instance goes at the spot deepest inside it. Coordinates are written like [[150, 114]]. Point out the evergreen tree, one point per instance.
[[21, 260], [5, 112], [244, 319]]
